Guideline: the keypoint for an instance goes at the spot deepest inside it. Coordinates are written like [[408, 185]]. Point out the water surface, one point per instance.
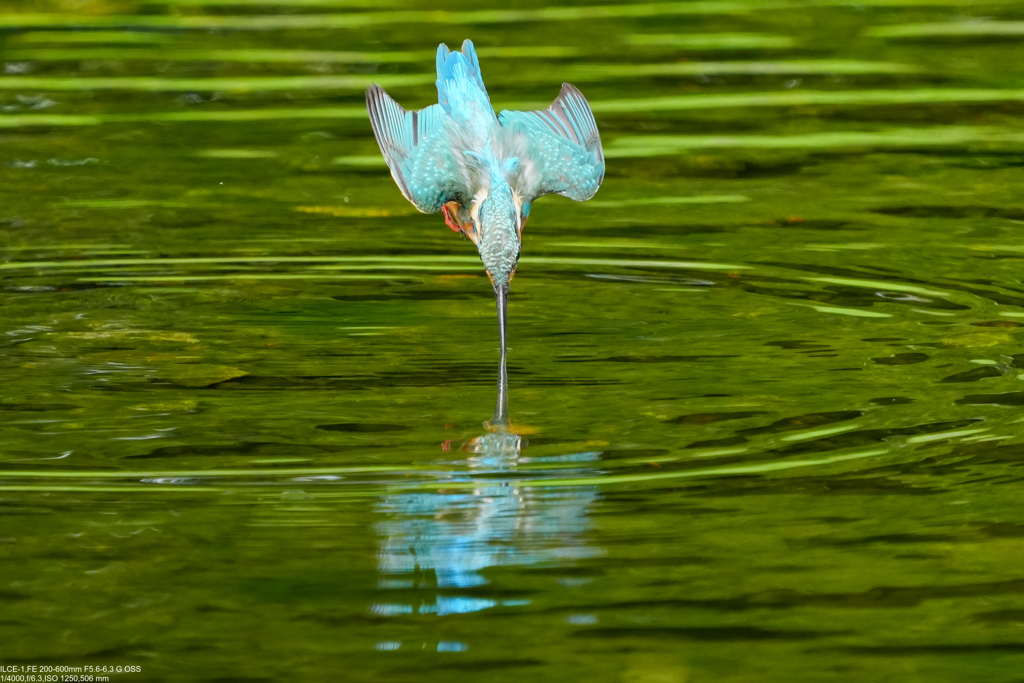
[[766, 386]]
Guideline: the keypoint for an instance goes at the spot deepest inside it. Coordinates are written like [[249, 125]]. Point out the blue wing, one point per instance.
[[416, 147], [559, 148]]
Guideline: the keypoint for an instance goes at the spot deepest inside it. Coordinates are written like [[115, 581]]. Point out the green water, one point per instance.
[[766, 387]]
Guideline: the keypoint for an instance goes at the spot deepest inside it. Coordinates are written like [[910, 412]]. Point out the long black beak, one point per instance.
[[500, 418]]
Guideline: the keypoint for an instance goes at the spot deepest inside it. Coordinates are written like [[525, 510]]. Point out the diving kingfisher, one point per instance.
[[485, 170]]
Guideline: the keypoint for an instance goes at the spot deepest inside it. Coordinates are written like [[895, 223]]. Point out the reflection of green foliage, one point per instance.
[[810, 98], [795, 67], [949, 30], [87, 37], [711, 41], [652, 145]]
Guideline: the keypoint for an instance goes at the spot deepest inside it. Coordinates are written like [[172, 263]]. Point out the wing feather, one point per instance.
[[416, 148], [559, 148]]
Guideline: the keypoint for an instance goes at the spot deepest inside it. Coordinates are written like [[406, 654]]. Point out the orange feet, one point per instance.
[[451, 210]]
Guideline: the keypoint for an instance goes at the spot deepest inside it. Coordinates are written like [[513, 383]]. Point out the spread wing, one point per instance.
[[559, 148], [415, 144]]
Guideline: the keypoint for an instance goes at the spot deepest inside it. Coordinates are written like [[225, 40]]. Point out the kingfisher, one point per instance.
[[484, 170]]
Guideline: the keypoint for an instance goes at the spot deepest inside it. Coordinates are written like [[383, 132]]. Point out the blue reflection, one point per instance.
[[444, 541], [458, 605]]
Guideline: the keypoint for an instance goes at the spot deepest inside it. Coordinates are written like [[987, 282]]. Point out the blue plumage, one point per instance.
[[484, 170], [459, 70]]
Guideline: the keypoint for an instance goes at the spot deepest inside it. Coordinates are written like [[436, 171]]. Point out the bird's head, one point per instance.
[[496, 216]]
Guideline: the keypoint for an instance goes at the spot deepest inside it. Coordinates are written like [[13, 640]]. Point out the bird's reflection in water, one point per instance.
[[441, 542]]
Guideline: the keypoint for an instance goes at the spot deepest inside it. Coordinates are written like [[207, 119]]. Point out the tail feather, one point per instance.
[[474, 63], [453, 70], [442, 57]]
